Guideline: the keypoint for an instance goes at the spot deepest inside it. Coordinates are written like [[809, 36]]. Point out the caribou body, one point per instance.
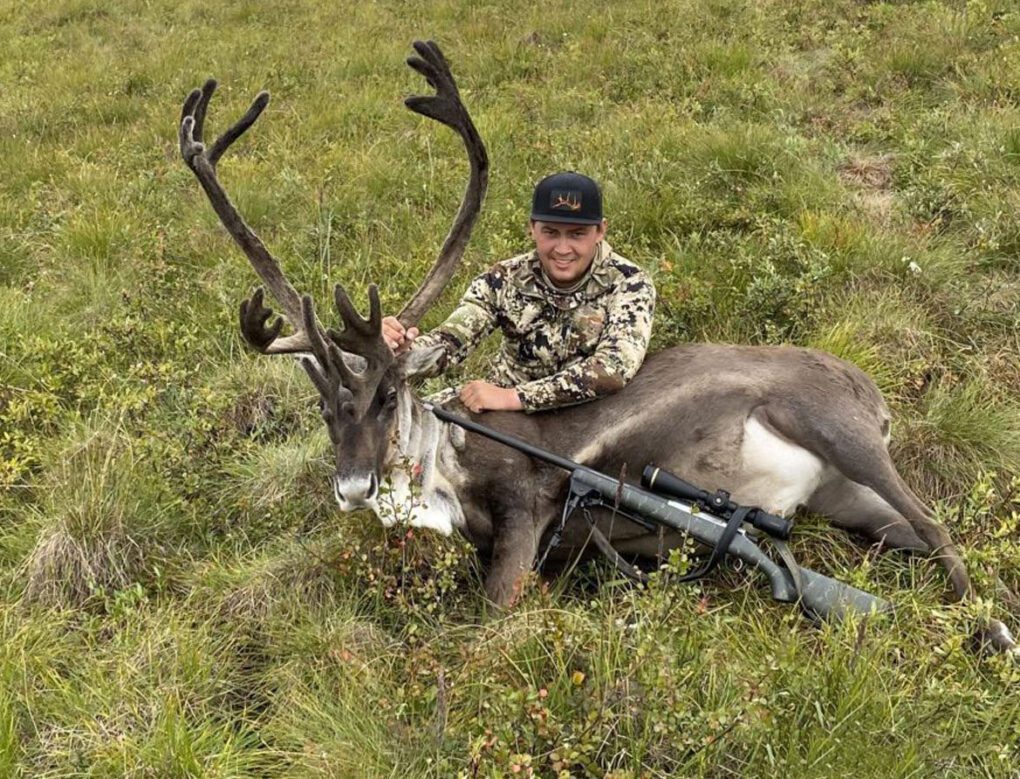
[[779, 427]]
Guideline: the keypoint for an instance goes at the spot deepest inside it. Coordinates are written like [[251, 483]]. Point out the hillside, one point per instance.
[[179, 595]]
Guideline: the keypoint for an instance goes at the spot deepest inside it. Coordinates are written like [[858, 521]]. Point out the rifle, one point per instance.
[[711, 519]]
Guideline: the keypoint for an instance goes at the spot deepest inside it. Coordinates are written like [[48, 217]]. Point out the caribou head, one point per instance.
[[358, 394]]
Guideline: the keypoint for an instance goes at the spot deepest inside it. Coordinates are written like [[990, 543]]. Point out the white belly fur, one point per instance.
[[777, 475]]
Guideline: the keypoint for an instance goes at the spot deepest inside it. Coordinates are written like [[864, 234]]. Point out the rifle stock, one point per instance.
[[820, 596]]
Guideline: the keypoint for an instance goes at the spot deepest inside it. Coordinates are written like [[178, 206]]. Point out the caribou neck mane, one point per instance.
[[420, 485]]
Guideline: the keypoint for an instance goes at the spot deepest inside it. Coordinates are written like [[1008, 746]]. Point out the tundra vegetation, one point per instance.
[[180, 596]]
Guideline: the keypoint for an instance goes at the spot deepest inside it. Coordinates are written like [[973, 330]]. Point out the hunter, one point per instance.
[[575, 316]]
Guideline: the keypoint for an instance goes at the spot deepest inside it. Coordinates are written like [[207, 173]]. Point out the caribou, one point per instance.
[[780, 427]]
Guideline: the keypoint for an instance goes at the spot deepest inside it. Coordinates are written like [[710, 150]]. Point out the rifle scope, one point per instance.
[[665, 483]]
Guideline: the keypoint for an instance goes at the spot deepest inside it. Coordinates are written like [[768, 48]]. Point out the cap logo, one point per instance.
[[565, 199]]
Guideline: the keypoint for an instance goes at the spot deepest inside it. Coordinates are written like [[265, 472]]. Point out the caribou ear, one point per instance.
[[420, 362]]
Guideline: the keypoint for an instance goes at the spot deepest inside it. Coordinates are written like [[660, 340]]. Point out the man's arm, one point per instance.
[[485, 396], [619, 354], [451, 342]]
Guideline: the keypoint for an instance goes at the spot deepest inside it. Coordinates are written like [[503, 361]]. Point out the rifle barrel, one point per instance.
[[821, 596], [511, 441]]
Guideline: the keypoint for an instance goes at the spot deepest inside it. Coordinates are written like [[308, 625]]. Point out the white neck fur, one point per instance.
[[420, 487]]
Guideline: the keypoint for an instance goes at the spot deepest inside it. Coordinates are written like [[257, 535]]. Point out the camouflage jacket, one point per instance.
[[560, 347]]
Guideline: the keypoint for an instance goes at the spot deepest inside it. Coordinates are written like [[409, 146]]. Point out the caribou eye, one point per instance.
[[388, 401]]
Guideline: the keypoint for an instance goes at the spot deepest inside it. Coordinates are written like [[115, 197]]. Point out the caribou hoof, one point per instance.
[[995, 636]]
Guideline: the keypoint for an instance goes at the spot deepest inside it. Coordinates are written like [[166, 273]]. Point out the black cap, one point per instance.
[[567, 197]]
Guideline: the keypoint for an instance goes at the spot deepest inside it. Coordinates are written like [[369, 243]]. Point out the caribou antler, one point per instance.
[[360, 336], [202, 161], [446, 107], [360, 339]]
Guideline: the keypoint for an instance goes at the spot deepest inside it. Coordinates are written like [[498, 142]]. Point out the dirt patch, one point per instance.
[[801, 67]]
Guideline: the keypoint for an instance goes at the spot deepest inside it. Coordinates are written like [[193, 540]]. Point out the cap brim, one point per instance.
[[568, 220]]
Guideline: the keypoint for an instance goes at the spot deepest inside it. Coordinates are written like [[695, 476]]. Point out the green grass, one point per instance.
[[179, 595]]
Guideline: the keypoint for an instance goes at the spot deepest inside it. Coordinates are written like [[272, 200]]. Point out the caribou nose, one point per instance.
[[355, 492]]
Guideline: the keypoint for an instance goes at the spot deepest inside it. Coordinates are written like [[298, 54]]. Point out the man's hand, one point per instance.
[[483, 396], [397, 337]]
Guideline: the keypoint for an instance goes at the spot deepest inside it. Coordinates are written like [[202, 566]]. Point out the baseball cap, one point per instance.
[[567, 197]]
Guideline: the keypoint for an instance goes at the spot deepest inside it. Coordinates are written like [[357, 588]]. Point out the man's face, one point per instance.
[[566, 250]]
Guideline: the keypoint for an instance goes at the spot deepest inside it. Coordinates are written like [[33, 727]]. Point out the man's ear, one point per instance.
[[603, 226], [420, 362]]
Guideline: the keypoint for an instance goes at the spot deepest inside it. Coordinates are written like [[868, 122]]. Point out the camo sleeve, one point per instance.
[[469, 323], [619, 354]]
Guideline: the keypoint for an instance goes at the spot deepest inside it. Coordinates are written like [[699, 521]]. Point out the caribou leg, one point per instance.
[[513, 554], [858, 509], [860, 455], [520, 523], [992, 632], [882, 478]]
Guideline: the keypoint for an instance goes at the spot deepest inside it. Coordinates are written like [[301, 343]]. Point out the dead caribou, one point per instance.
[[780, 427]]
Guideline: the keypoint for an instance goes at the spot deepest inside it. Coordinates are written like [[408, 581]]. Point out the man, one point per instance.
[[575, 316]]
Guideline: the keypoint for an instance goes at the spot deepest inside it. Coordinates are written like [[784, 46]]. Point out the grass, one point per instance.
[[178, 596]]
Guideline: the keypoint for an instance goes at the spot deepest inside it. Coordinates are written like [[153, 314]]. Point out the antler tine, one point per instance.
[[203, 164], [239, 127], [205, 95], [349, 314], [334, 369], [319, 379], [253, 318], [374, 309], [188, 112], [192, 129], [447, 107], [361, 336], [332, 393]]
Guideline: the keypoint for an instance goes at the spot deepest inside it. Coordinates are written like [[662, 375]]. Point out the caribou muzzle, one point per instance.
[[355, 491]]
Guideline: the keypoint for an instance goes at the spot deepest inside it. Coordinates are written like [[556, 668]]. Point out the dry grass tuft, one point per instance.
[[871, 180], [100, 521], [65, 571], [870, 172]]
